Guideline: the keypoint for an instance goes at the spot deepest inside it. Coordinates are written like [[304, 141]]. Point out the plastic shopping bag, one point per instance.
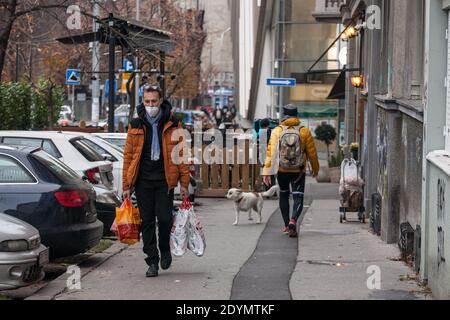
[[196, 235], [127, 223], [179, 232]]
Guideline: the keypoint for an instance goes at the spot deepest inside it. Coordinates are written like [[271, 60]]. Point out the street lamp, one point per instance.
[[349, 33], [357, 81]]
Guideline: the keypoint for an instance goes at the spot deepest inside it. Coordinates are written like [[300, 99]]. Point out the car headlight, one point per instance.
[[14, 245], [34, 243]]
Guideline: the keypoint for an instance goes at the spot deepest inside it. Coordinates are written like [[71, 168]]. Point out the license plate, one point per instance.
[[44, 257]]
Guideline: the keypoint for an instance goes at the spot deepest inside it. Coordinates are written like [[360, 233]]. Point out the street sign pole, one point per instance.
[[136, 62], [73, 101], [112, 67], [95, 112]]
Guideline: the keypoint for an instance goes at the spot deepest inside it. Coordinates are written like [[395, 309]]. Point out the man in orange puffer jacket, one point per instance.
[[149, 169]]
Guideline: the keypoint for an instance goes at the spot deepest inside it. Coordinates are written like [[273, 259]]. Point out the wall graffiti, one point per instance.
[[382, 152], [441, 221]]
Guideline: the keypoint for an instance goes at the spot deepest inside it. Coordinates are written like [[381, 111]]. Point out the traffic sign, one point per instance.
[[281, 82], [127, 65], [73, 76], [107, 87]]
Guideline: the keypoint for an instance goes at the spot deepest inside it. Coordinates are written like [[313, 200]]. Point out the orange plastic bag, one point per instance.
[[128, 223]]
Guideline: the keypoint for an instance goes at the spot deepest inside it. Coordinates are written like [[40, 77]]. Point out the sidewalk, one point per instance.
[[210, 277], [255, 261], [333, 260]]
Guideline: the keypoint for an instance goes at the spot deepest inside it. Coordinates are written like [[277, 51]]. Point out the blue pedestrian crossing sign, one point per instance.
[[73, 76], [281, 82]]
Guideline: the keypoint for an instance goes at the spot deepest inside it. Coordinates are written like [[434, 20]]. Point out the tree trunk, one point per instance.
[[328, 152], [7, 17]]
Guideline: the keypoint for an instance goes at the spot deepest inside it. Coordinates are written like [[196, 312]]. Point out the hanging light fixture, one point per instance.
[[349, 33], [357, 81]]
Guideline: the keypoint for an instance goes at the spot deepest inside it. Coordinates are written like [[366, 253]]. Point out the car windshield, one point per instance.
[[87, 152], [56, 167]]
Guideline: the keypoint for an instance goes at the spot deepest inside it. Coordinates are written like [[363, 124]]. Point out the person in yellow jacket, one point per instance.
[[290, 147]]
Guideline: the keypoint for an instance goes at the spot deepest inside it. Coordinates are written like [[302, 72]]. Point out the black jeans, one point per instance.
[[297, 181], [155, 202]]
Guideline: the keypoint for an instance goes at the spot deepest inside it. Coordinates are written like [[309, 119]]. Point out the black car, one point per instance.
[[106, 203], [44, 192]]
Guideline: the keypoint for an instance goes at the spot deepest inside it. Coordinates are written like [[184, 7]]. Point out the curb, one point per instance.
[[59, 285]]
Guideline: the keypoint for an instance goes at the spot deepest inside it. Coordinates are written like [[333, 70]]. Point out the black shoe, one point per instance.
[[166, 261], [152, 271], [293, 229]]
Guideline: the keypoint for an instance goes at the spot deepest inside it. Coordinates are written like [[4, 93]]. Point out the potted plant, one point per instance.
[[354, 149], [327, 134]]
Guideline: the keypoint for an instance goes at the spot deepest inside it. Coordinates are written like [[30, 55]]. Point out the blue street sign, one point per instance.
[[127, 65], [73, 76], [107, 87], [281, 82]]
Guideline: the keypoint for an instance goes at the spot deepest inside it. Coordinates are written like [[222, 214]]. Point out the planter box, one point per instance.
[[335, 174]]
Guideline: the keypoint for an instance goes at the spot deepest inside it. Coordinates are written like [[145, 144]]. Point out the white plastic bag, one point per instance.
[[196, 235], [179, 233]]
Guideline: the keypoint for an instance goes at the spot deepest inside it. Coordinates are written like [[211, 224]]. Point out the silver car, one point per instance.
[[22, 256]]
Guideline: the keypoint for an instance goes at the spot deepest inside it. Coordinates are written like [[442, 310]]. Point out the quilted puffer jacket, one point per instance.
[[135, 144]]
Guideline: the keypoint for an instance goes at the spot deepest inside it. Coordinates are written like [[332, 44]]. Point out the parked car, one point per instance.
[[22, 256], [46, 193], [70, 149], [106, 202], [117, 139], [107, 151], [64, 119]]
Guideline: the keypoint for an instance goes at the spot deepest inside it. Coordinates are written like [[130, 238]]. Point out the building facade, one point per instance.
[[435, 245], [281, 39], [400, 118]]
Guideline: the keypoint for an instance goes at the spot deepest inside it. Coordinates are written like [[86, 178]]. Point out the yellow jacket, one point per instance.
[[307, 144]]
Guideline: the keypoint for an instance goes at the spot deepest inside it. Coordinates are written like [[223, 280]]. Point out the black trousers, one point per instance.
[[297, 182], [155, 203]]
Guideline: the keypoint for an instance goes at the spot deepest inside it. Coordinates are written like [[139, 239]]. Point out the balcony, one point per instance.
[[328, 11]]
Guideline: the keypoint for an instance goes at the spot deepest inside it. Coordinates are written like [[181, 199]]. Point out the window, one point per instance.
[[98, 148], [119, 143], [11, 171], [50, 148], [30, 142], [85, 150], [60, 170], [45, 144]]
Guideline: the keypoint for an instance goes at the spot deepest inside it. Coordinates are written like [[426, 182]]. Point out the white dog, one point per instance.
[[246, 201]]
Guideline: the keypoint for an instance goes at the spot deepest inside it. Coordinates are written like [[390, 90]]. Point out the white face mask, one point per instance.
[[152, 111]]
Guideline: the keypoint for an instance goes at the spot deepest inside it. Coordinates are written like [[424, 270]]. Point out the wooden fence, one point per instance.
[[217, 179]]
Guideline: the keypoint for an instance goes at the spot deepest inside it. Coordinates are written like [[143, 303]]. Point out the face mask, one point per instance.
[[152, 111]]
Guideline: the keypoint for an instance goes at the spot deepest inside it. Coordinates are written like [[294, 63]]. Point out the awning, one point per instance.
[[130, 34], [338, 90], [317, 110]]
